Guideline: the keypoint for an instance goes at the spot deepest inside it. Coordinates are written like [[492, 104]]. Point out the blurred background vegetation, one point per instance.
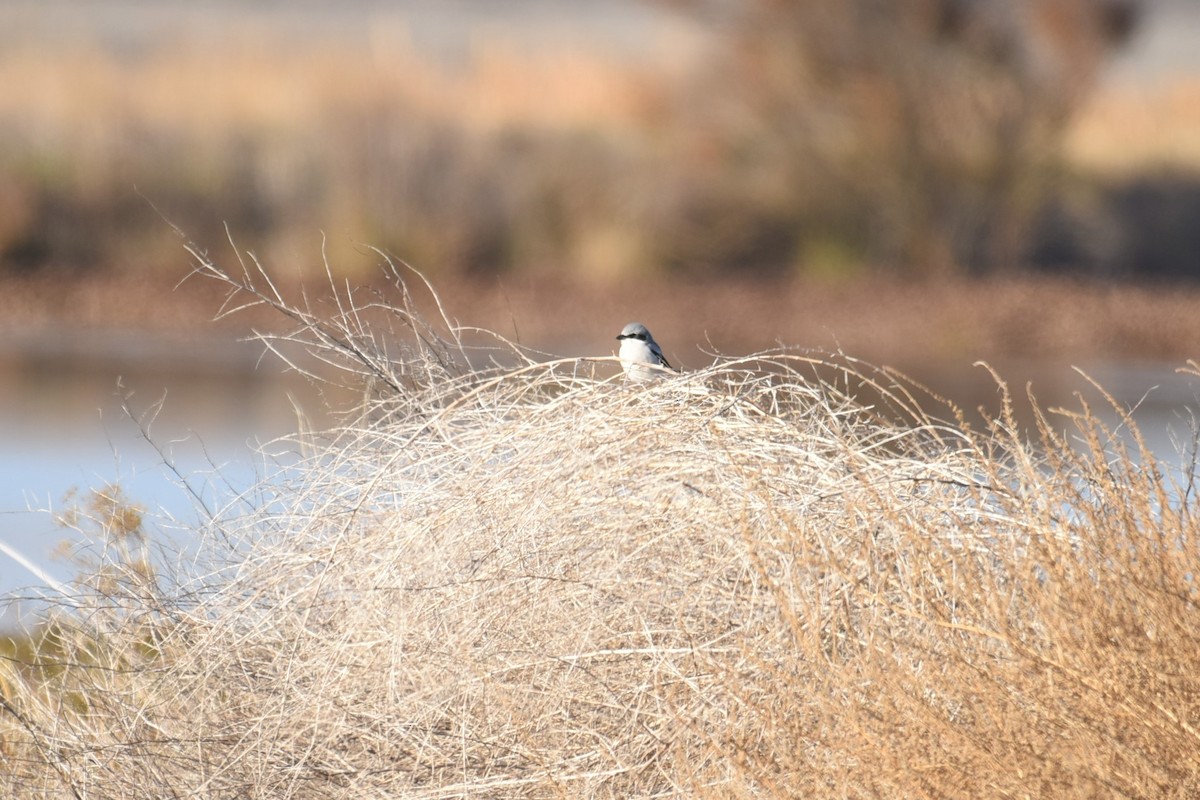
[[680, 138]]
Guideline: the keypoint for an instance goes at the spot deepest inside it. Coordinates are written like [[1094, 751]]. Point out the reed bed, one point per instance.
[[504, 576]]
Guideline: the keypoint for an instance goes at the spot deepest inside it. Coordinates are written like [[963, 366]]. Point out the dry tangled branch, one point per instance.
[[531, 580]]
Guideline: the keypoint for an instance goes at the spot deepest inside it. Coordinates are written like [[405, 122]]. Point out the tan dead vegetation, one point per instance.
[[785, 575]]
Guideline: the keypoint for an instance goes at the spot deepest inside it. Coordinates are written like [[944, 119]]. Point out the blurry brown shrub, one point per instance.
[[926, 131]]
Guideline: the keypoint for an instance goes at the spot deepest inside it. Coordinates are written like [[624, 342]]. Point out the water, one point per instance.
[[63, 426], [1165, 404], [77, 413]]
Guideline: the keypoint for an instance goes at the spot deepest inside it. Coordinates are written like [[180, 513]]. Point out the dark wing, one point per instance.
[[654, 348]]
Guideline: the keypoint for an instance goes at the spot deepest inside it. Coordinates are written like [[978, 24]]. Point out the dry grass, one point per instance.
[[502, 161], [530, 580]]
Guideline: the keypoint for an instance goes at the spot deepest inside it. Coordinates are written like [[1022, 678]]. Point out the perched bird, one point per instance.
[[637, 349]]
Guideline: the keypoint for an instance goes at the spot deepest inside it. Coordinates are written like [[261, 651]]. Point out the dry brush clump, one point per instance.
[[526, 579]]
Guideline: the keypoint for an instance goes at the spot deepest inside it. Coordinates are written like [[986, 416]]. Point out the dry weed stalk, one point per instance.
[[524, 580]]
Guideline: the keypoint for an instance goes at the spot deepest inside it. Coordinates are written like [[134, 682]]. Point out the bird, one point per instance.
[[638, 348]]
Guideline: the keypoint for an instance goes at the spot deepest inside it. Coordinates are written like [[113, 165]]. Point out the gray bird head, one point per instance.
[[635, 330]]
